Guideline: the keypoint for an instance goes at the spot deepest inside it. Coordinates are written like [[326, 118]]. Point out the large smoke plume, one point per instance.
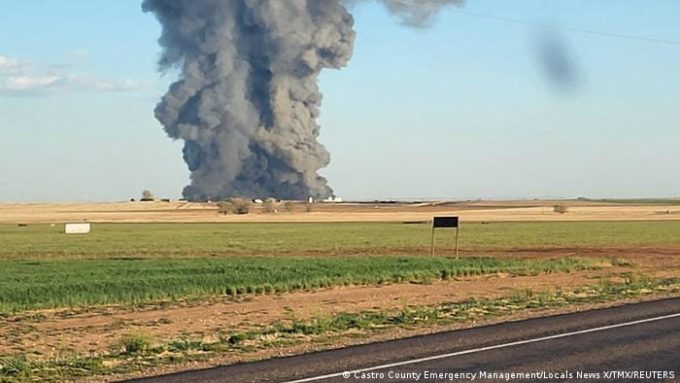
[[247, 99]]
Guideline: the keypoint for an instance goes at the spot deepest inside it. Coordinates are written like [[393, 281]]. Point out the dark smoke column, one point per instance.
[[247, 100]]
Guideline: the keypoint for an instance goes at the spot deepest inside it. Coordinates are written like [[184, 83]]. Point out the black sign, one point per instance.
[[445, 222]]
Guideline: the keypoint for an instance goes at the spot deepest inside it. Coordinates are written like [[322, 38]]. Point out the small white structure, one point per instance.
[[333, 199], [77, 228]]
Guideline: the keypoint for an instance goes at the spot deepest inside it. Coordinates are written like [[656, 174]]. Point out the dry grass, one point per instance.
[[347, 212]]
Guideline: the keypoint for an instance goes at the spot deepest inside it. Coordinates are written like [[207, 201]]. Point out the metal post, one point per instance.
[[432, 245], [457, 230]]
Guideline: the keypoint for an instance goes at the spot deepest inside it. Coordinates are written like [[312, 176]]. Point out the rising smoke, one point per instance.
[[247, 99]]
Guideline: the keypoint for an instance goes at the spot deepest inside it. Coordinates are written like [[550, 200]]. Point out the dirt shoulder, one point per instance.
[[398, 333]]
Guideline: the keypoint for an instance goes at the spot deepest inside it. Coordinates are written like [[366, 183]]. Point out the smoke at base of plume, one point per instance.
[[247, 99]]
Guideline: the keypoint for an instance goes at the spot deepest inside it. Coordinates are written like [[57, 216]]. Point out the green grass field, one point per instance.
[[40, 267], [299, 239], [46, 284]]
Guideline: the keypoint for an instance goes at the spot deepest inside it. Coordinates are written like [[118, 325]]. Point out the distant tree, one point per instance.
[[289, 206], [269, 206], [224, 207], [561, 209], [240, 206], [147, 195]]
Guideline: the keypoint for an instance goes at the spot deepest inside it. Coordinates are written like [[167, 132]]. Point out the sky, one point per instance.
[[464, 109]]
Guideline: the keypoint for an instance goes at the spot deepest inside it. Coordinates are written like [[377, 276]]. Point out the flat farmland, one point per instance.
[[53, 284], [475, 211], [147, 263], [184, 240], [136, 298]]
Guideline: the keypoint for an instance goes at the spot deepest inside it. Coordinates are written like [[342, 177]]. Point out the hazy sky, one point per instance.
[[464, 109]]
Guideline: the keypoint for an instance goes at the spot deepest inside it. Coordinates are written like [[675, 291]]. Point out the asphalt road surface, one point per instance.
[[631, 343]]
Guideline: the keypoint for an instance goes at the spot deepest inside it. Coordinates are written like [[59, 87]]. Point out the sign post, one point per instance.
[[445, 222]]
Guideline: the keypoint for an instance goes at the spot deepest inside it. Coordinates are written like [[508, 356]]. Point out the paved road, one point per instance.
[[633, 339]]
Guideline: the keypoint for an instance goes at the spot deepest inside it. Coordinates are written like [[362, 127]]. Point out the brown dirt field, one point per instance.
[[346, 212]]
